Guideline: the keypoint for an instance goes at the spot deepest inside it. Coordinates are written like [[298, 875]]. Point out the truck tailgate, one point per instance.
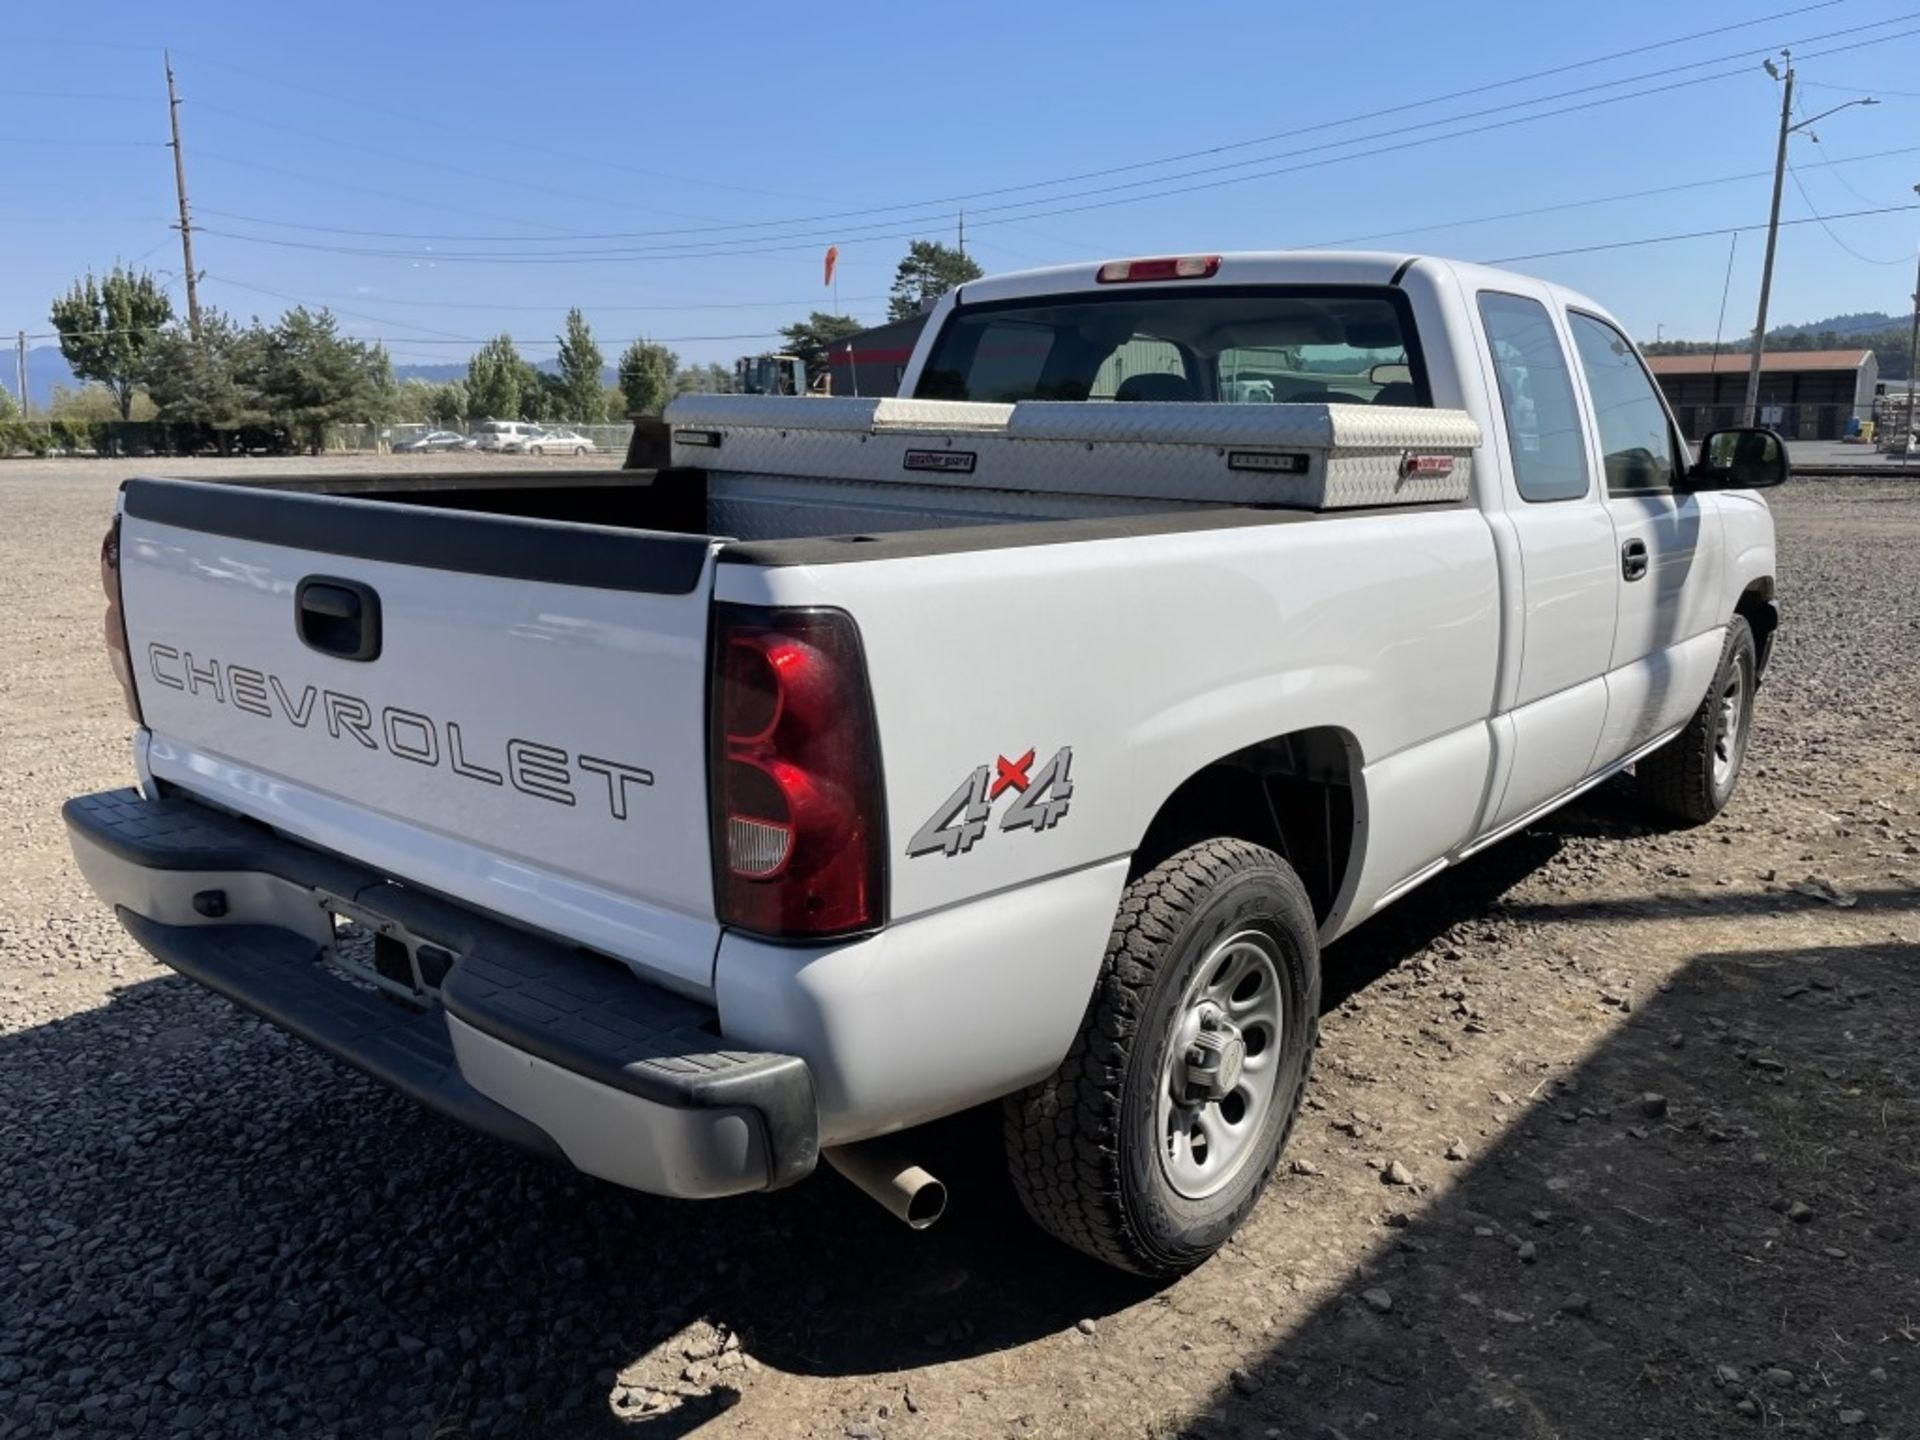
[[510, 712]]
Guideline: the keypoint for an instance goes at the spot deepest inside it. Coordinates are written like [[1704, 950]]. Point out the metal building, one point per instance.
[[1804, 394], [872, 361]]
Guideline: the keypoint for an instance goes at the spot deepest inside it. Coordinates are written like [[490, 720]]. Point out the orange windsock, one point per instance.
[[833, 259]]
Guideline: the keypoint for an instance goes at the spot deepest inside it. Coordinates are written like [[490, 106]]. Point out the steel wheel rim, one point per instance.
[[1206, 1140], [1729, 725]]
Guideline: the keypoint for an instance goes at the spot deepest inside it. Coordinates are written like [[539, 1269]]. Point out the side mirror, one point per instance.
[[1747, 459]]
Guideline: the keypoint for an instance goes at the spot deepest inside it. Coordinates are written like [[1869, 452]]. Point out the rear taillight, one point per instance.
[[116, 620], [1174, 267], [799, 840]]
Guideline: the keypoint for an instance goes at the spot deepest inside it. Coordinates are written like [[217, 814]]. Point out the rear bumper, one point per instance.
[[557, 1051]]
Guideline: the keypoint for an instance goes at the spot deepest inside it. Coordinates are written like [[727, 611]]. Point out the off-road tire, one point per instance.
[[1082, 1145], [1677, 782]]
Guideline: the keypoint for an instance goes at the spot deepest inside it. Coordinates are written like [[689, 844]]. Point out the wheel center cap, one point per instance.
[[1215, 1058]]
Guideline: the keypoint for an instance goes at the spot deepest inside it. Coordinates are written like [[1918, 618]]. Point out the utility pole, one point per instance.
[[1913, 358], [186, 217], [20, 365], [1751, 410], [963, 233], [1752, 407]]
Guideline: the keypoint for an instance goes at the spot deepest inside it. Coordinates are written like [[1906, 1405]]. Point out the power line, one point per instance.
[[99, 144], [351, 314], [776, 244], [606, 306], [1693, 235], [359, 103], [715, 250], [1682, 187], [520, 182], [1498, 260], [949, 200], [415, 200], [526, 344], [1816, 215], [73, 95]]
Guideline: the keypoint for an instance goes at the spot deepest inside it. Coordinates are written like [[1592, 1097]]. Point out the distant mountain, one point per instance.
[[45, 369], [438, 374], [457, 370], [1859, 323]]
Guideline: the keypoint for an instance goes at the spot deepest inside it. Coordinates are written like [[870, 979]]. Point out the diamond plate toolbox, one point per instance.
[[1316, 457]]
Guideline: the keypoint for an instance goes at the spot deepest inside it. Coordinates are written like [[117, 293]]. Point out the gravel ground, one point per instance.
[[1655, 1101]]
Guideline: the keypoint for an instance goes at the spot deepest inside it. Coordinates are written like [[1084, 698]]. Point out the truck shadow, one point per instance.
[[256, 1239], [317, 1255], [1708, 1224]]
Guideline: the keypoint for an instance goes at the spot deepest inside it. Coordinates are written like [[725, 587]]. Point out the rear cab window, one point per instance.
[[1269, 344], [1544, 432]]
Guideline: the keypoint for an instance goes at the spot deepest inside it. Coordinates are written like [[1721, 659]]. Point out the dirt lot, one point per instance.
[[1659, 1097]]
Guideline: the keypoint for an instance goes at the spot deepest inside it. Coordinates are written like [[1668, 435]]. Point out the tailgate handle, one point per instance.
[[338, 617]]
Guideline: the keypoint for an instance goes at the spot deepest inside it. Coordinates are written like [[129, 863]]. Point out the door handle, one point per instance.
[[338, 617], [1633, 559]]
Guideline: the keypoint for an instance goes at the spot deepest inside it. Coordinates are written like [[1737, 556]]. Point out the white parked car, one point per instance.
[[433, 442], [559, 442], [503, 437], [884, 758]]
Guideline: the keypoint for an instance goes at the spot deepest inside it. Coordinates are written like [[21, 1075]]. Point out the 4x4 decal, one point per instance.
[[962, 818]]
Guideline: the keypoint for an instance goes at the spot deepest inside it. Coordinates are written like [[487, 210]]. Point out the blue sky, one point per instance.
[[479, 127]]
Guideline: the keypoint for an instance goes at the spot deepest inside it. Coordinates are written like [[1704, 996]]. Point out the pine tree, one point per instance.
[[581, 396], [493, 380], [927, 272], [646, 377]]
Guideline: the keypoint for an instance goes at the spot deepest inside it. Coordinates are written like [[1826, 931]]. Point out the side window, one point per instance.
[[1635, 436], [1536, 394]]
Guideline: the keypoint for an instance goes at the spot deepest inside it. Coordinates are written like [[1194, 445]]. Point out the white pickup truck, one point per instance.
[[1020, 739]]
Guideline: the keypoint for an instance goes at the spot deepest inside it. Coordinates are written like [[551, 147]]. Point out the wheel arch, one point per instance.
[[1301, 794], [1758, 608]]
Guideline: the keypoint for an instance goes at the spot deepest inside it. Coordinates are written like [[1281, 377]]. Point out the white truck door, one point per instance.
[[1564, 623], [1668, 634]]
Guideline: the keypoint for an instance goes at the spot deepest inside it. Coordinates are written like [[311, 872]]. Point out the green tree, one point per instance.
[[8, 409], [713, 379], [541, 395], [94, 402], [928, 270], [109, 326], [646, 377], [312, 376], [210, 381], [581, 362], [494, 377], [447, 405], [818, 331]]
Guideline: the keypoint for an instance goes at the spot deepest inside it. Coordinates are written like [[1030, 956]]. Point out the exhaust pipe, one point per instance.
[[906, 1191]]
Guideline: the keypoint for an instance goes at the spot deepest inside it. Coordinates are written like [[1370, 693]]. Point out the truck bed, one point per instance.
[[767, 469]]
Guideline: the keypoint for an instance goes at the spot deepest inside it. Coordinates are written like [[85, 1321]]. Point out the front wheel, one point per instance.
[[579, 450], [1690, 779], [1152, 1142], [535, 450]]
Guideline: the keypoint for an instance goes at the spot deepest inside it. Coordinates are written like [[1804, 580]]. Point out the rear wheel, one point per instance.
[[1691, 778], [1153, 1140]]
